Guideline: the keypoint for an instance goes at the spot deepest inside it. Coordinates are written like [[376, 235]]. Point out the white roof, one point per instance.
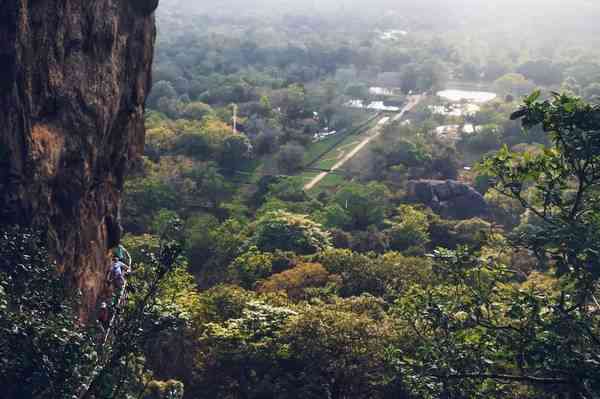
[[479, 97], [376, 105], [455, 109], [381, 91]]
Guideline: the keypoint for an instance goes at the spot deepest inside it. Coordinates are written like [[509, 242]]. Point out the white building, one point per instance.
[[381, 91], [478, 97], [455, 109], [375, 105], [323, 135]]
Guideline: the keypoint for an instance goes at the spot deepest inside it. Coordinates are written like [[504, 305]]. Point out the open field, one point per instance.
[[372, 133]]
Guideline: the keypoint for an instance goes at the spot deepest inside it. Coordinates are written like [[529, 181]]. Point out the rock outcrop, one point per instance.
[[449, 198], [74, 76]]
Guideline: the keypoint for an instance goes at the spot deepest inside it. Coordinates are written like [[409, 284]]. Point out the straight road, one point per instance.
[[374, 133]]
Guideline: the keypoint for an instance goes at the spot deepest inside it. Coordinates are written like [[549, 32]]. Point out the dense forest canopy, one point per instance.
[[392, 199]]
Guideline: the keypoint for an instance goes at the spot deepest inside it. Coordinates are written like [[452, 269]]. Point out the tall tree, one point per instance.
[[482, 331]]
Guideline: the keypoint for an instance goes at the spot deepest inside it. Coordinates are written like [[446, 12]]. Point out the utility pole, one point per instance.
[[234, 118]]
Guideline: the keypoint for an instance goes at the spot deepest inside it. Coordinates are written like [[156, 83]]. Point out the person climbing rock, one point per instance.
[[117, 273], [104, 316], [123, 255]]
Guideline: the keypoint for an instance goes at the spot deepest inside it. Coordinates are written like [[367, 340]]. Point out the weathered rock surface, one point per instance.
[[449, 198], [74, 75]]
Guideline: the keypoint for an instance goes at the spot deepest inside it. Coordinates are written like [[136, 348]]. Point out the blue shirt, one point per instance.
[[117, 269]]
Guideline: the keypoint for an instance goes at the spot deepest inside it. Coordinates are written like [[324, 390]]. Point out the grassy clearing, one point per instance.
[[321, 149], [252, 171], [327, 152], [314, 150], [329, 184], [308, 176], [351, 139], [326, 163], [333, 156]]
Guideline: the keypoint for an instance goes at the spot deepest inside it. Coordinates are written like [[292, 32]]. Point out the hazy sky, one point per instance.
[[554, 10], [576, 19], [569, 7]]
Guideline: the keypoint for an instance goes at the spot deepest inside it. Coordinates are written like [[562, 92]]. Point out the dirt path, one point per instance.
[[374, 133]]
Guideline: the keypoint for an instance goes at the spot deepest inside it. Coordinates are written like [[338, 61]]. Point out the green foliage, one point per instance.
[[241, 355], [488, 138], [410, 232], [291, 102], [162, 220], [481, 332], [449, 307], [145, 198], [406, 153], [198, 236], [275, 351], [341, 353], [156, 308], [451, 234], [250, 267], [289, 232], [141, 247], [288, 189], [506, 211], [365, 204], [385, 276], [211, 246], [492, 317], [514, 83], [562, 179], [161, 89], [236, 149], [543, 72], [178, 287], [334, 216], [200, 138], [357, 91], [196, 111], [210, 183], [300, 282], [221, 303], [290, 158], [45, 351], [164, 390], [473, 233]]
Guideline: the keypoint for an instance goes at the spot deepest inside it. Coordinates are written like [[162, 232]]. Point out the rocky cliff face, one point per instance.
[[74, 75]]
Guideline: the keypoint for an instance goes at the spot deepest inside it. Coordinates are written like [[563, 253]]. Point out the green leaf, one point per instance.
[[533, 97]]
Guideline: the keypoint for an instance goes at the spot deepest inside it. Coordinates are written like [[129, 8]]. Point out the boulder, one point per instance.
[[449, 198]]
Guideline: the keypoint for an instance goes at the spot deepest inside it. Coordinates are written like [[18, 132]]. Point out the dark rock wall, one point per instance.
[[74, 75]]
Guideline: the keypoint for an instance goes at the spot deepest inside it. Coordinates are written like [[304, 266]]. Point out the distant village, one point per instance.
[[454, 103]]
